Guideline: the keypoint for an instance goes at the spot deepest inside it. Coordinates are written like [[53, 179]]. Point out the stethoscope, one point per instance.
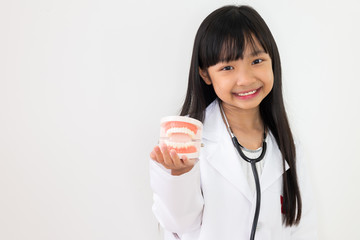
[[238, 147]]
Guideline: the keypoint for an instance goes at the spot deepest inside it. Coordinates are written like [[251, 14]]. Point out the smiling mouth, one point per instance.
[[243, 94]]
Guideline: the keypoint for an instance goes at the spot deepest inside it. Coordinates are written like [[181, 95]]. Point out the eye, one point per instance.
[[256, 61], [227, 68]]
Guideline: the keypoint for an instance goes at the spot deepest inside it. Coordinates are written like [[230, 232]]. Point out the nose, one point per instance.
[[244, 76]]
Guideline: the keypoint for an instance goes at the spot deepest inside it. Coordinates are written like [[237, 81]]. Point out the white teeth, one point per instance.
[[180, 130], [245, 94], [179, 145]]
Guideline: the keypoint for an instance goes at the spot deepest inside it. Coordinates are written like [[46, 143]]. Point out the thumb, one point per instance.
[[189, 161]]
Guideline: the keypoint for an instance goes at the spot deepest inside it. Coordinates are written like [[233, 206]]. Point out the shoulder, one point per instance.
[[213, 123], [211, 109]]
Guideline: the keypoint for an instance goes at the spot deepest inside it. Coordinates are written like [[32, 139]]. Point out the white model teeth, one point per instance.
[[179, 145], [246, 94], [180, 130]]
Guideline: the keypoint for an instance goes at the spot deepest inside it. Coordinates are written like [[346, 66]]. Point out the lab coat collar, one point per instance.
[[222, 155]]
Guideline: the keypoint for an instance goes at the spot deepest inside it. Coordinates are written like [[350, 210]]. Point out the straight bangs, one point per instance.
[[227, 38]]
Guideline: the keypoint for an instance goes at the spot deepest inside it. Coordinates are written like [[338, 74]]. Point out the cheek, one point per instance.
[[217, 89], [221, 89], [268, 79], [271, 82]]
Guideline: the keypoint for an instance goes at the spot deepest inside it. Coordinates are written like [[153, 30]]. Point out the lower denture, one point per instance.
[[190, 149]]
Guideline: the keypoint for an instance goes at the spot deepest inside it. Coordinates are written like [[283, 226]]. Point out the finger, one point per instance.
[[153, 155], [166, 156], [178, 163], [159, 155]]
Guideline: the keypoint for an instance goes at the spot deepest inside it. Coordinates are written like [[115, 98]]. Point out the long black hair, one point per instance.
[[223, 36]]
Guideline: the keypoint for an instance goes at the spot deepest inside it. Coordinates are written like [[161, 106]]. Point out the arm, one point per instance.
[[178, 201]]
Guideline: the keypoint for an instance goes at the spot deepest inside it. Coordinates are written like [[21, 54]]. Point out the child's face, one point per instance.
[[242, 83]]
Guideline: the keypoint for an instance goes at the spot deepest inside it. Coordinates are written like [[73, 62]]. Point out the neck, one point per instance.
[[246, 125], [243, 120]]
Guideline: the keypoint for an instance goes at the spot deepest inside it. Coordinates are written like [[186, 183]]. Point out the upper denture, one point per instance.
[[181, 126]]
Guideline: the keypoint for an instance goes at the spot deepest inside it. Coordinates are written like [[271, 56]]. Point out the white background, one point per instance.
[[83, 84]]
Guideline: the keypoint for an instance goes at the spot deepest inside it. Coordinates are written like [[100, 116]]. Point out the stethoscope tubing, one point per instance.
[[258, 201], [238, 147], [257, 182]]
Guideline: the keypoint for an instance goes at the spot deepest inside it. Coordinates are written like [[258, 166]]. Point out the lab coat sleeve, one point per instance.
[[307, 228], [178, 201]]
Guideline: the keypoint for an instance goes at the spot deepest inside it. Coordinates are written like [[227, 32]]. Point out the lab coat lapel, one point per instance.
[[222, 155], [273, 166], [220, 152]]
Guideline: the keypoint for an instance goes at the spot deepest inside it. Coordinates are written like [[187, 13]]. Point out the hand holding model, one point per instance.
[[170, 160], [178, 136]]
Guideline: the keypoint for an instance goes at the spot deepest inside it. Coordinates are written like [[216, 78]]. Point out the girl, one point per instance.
[[235, 89]]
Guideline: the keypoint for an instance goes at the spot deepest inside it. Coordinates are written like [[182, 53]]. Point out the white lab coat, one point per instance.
[[214, 201]]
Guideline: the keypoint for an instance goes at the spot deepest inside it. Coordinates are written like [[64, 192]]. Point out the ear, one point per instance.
[[205, 76]]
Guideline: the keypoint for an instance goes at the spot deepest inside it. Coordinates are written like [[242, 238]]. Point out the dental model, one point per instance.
[[183, 134]]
